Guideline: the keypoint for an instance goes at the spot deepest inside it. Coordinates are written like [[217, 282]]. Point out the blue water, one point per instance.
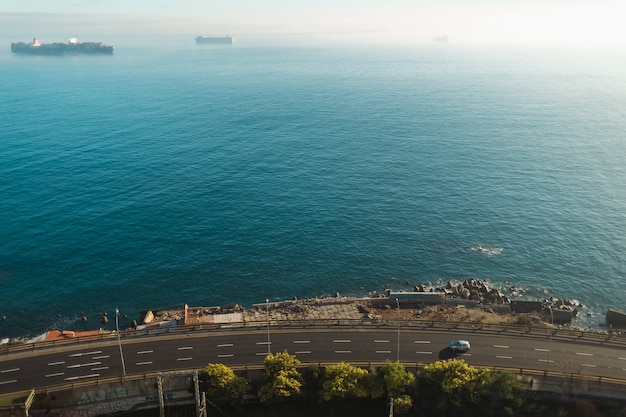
[[173, 174]]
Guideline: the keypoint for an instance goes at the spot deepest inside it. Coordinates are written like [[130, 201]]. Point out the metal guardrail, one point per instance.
[[608, 338]]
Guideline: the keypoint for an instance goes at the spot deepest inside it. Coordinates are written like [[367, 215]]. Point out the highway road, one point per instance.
[[46, 368]]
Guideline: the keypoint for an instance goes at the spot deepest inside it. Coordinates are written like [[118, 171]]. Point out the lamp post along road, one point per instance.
[[398, 350], [267, 305], [119, 341]]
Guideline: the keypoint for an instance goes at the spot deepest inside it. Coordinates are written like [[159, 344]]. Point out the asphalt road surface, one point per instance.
[[51, 367]]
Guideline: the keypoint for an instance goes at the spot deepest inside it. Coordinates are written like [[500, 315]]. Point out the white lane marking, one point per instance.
[[8, 382], [73, 378], [144, 352], [100, 368], [501, 346], [301, 341], [381, 341], [83, 364], [303, 352], [262, 353], [343, 351], [422, 341], [504, 357], [226, 356], [225, 345], [621, 359], [545, 360], [263, 343], [56, 363], [584, 354], [589, 365], [424, 353], [542, 350], [9, 370], [185, 348], [342, 341], [57, 374], [101, 357], [95, 352], [383, 351], [184, 359], [143, 363]]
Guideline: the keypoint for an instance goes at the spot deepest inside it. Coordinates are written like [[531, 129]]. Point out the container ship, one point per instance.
[[214, 40], [72, 47]]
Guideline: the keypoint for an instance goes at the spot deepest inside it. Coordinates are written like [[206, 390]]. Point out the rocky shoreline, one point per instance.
[[470, 300]]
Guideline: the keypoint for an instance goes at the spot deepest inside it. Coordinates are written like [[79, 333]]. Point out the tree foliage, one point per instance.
[[344, 380], [402, 404], [221, 384], [396, 378], [282, 376], [470, 388]]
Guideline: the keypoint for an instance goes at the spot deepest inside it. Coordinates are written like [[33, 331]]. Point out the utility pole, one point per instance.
[[119, 341]]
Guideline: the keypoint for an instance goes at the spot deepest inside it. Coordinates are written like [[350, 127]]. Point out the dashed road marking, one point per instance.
[[143, 363], [57, 374], [185, 348], [504, 357], [80, 365], [100, 368], [9, 370], [226, 356], [584, 354], [343, 351], [501, 346], [342, 341], [145, 352], [8, 382], [545, 360], [101, 357], [303, 352], [383, 351], [95, 352], [424, 353], [588, 365], [184, 359], [73, 378], [225, 345], [422, 341], [381, 341], [263, 343], [56, 363], [542, 350], [301, 341]]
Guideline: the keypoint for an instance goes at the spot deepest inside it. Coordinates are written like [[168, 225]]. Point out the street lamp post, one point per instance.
[[550, 337], [119, 341], [267, 306], [398, 349]]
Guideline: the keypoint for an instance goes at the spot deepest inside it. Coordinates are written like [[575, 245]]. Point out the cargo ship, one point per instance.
[[72, 47], [214, 40]]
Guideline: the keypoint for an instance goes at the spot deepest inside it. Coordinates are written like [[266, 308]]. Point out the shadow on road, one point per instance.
[[447, 353]]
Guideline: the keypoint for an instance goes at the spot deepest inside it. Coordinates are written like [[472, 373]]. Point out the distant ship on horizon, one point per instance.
[[214, 40], [72, 47]]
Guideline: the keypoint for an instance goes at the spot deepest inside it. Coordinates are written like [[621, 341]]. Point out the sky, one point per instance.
[[573, 22]]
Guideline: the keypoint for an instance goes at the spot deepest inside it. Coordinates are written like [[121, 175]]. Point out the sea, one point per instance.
[[172, 173]]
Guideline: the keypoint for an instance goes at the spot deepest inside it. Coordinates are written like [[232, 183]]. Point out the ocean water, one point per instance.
[[175, 173]]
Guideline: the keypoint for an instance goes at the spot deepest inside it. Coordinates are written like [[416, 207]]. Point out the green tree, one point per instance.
[[402, 404], [282, 378], [344, 380], [498, 393], [396, 378], [456, 379], [221, 384]]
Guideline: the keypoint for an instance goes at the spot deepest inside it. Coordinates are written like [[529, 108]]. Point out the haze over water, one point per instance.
[[179, 174]]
